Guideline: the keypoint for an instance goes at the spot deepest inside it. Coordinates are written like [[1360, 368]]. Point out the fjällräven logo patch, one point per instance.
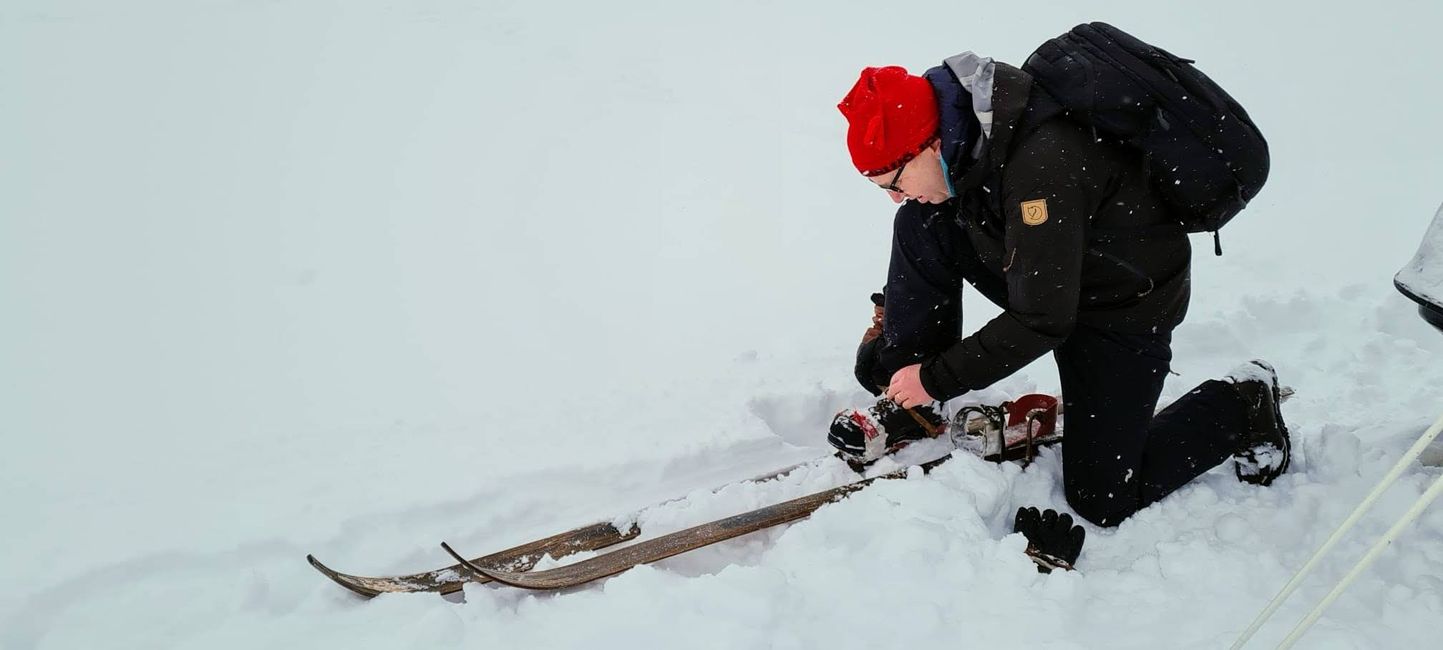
[[1034, 213]]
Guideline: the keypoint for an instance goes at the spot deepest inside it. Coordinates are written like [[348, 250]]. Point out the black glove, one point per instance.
[[868, 372], [1053, 541]]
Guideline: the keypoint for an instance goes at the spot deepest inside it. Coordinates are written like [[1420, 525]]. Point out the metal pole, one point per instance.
[[1364, 563], [1393, 474]]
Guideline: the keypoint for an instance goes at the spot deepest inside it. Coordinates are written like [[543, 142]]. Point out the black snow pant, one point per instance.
[[1118, 457]]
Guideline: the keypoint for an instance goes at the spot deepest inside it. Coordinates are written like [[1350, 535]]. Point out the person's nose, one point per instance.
[[897, 197]]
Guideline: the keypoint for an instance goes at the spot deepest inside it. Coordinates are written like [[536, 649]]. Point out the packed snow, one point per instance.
[[353, 277]]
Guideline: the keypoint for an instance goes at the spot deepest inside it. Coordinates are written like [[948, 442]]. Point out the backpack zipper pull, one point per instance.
[[1217, 244]]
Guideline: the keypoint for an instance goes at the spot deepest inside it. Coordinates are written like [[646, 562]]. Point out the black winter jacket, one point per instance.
[[1068, 227]]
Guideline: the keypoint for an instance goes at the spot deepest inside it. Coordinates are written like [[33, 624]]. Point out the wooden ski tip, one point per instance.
[[340, 578], [325, 570], [464, 562], [457, 556], [494, 574]]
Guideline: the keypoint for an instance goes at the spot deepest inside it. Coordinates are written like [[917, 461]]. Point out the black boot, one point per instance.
[[863, 436], [1264, 450]]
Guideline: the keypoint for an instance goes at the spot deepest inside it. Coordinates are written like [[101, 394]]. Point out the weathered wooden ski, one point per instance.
[[672, 544], [518, 558]]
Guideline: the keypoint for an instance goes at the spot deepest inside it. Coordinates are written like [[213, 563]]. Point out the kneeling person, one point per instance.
[[1061, 228]]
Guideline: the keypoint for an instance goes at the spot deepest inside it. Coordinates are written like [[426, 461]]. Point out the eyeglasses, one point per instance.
[[891, 185]]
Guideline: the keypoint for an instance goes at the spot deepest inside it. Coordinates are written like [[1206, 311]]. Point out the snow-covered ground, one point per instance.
[[353, 277]]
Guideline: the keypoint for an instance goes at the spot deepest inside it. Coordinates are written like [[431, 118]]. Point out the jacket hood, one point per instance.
[[975, 73], [963, 86]]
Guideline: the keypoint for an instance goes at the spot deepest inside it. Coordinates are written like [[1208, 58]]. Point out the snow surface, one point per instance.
[[354, 277]]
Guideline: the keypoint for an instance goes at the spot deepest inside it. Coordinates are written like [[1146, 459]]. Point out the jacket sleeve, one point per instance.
[[1048, 196]]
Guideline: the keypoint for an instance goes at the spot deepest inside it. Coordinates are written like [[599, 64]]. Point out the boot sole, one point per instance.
[[1286, 446]]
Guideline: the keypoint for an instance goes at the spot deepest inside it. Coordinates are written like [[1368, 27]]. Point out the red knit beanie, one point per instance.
[[891, 117]]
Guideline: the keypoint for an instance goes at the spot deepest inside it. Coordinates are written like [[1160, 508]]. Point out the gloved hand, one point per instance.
[[1053, 542], [876, 329], [868, 373]]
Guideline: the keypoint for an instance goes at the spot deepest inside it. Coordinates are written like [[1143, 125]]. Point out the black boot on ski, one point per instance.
[[861, 436], [1264, 450]]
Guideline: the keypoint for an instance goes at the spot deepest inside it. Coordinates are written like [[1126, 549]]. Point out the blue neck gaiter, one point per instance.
[[947, 174]]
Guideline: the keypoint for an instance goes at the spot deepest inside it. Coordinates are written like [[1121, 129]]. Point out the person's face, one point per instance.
[[921, 178]]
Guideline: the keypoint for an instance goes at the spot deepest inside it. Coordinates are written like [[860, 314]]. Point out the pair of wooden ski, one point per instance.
[[514, 566]]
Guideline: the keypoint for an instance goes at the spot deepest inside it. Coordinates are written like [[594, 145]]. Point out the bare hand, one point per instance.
[[906, 387]]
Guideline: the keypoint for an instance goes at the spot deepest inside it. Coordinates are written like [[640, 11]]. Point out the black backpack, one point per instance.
[[1205, 156]]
